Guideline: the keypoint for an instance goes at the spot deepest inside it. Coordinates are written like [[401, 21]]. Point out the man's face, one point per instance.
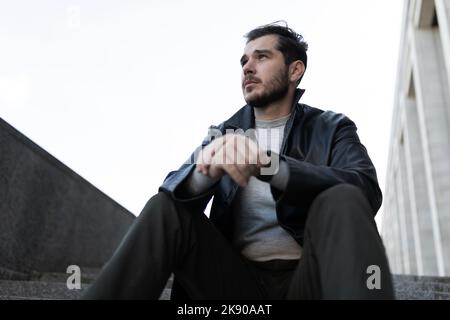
[[264, 73]]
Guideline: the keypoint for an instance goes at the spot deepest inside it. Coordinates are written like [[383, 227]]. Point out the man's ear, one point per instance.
[[296, 70]]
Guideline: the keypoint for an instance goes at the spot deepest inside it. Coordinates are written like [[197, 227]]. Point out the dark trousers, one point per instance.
[[341, 243]]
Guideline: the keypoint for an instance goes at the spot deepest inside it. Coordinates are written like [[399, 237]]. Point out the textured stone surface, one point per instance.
[[409, 287], [50, 216], [52, 286], [36, 290]]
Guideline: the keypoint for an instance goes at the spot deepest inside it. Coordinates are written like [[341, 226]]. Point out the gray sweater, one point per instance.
[[257, 234]]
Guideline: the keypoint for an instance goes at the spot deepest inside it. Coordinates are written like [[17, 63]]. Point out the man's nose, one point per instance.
[[248, 67]]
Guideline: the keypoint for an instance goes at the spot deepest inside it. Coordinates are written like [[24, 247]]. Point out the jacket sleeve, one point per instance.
[[175, 179], [348, 162]]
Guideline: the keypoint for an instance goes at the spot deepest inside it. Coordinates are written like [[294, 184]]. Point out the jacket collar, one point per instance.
[[245, 117]]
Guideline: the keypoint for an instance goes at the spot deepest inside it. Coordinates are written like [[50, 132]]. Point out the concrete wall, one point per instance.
[[50, 217]]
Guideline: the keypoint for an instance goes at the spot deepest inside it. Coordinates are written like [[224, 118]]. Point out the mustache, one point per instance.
[[250, 79]]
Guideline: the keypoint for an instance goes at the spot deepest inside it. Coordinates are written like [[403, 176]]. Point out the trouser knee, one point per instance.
[[343, 203], [160, 208]]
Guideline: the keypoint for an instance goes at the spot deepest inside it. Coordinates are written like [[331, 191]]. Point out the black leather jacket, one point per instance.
[[322, 149]]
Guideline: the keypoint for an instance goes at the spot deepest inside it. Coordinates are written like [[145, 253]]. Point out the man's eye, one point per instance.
[[243, 62], [261, 56]]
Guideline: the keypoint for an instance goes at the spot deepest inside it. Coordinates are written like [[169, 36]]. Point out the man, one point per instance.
[[295, 194]]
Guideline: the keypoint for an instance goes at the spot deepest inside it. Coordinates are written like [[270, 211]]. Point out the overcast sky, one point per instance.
[[123, 91]]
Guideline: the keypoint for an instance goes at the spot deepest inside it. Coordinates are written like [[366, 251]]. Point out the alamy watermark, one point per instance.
[[374, 280], [73, 17], [74, 280]]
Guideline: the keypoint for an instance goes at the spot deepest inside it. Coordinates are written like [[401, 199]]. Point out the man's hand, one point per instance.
[[234, 154]]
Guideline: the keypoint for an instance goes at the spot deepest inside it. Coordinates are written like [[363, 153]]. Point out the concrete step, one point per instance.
[[88, 275], [411, 287], [53, 286], [36, 290], [45, 285]]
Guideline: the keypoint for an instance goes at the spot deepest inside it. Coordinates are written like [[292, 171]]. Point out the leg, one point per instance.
[[166, 238], [341, 242]]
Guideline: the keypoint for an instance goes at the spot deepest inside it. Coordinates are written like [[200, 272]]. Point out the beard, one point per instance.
[[275, 90]]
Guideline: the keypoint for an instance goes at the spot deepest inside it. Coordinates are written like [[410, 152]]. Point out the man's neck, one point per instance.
[[276, 109]]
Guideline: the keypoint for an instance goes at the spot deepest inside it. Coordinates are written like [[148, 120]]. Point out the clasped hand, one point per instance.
[[234, 154]]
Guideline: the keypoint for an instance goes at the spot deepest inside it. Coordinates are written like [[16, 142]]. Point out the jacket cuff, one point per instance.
[[173, 186], [281, 178]]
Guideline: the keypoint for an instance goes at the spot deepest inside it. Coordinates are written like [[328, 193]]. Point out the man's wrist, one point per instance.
[[280, 180]]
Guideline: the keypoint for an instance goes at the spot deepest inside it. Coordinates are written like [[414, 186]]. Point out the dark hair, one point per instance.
[[290, 43]]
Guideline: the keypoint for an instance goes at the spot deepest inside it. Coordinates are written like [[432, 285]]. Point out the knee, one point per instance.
[[158, 205], [161, 198], [162, 210], [342, 202], [341, 194]]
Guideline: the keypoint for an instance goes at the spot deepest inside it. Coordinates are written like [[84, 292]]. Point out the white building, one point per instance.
[[416, 218]]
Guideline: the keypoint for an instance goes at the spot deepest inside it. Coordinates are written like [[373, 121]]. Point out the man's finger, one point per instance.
[[235, 174], [207, 153], [224, 161], [238, 172], [243, 154], [245, 165]]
